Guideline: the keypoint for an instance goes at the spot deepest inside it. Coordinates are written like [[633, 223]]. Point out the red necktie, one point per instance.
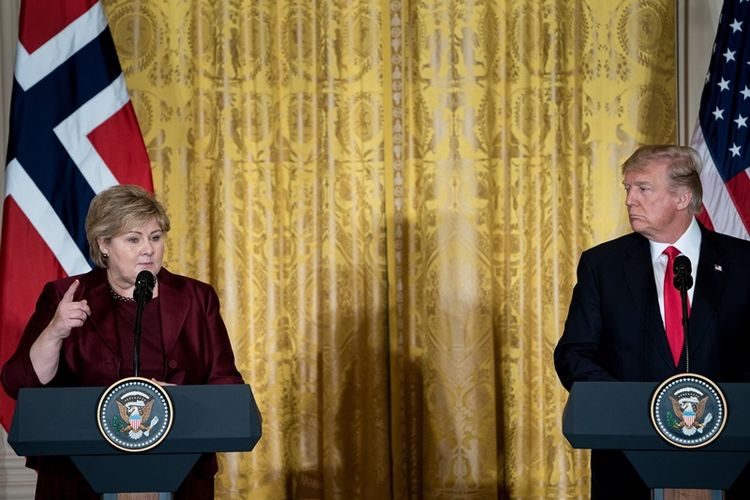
[[673, 308]]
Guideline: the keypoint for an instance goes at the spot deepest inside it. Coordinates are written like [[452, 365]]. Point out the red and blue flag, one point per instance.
[[72, 133], [721, 136]]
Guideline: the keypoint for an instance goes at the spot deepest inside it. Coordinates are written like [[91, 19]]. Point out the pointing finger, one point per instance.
[[68, 295]]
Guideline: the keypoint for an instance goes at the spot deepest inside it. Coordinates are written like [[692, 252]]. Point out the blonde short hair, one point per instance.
[[684, 168], [115, 211]]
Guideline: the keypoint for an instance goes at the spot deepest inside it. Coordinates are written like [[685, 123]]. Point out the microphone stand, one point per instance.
[[685, 321], [683, 281], [144, 289], [140, 303]]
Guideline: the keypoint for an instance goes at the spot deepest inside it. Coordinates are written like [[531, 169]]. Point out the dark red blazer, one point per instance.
[[196, 344]]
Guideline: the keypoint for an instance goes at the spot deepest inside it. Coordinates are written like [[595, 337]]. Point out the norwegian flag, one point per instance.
[[73, 133], [721, 135]]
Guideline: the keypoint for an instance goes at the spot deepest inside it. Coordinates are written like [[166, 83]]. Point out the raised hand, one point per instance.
[[69, 314]]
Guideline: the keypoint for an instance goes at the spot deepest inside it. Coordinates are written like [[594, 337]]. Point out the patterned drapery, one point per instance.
[[391, 197]]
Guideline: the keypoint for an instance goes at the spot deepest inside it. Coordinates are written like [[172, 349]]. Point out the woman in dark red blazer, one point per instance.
[[81, 333]]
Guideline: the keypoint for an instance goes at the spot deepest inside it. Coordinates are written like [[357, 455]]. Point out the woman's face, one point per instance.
[[138, 249]]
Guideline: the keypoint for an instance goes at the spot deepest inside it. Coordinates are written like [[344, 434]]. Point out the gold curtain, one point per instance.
[[391, 197]]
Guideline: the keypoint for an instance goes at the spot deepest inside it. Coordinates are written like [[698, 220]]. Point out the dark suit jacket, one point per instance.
[[614, 329], [196, 345]]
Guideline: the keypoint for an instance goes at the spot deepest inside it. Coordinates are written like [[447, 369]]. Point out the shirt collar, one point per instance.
[[688, 244]]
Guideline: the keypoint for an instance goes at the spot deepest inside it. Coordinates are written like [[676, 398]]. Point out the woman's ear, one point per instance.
[[103, 247]]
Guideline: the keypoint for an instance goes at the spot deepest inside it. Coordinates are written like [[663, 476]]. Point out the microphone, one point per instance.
[[682, 272], [144, 286], [683, 281], [144, 290]]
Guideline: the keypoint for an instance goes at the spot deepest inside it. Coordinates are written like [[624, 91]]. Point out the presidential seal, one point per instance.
[[688, 410], [134, 414]]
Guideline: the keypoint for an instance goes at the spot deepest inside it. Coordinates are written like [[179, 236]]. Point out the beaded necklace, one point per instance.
[[119, 297]]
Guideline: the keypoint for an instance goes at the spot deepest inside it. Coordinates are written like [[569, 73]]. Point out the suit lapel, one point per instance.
[[99, 301], [639, 279], [173, 308], [709, 288]]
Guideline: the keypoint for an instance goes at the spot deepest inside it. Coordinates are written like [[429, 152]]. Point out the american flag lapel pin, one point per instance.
[[717, 267]]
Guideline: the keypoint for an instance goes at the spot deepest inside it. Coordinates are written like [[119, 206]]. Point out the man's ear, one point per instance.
[[683, 201]]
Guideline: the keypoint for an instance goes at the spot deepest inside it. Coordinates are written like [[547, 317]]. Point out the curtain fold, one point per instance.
[[391, 197]]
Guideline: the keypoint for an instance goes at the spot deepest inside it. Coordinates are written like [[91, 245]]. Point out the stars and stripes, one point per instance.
[[72, 134], [721, 136]]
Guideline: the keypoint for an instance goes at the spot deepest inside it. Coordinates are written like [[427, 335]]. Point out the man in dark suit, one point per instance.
[[615, 328]]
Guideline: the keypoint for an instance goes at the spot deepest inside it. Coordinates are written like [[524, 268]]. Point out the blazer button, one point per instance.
[[172, 364]]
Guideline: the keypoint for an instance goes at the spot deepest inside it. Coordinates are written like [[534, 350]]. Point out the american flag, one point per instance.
[[73, 133], [721, 136]]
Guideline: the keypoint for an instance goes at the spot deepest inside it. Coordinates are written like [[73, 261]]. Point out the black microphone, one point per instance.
[[144, 286], [682, 272], [144, 290], [683, 281]]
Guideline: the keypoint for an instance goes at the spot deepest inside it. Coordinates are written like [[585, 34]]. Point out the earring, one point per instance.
[[105, 256]]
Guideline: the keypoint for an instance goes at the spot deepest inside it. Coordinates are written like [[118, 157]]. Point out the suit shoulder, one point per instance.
[[87, 279], [727, 241], [179, 281], [615, 248]]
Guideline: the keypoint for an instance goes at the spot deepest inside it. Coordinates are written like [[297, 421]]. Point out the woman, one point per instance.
[[81, 333]]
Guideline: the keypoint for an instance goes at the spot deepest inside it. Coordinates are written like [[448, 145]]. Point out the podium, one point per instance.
[[63, 422], [616, 416]]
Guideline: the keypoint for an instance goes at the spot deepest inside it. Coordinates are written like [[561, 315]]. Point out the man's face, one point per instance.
[[656, 210]]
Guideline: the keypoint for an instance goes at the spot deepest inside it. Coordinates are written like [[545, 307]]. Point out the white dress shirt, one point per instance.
[[689, 244]]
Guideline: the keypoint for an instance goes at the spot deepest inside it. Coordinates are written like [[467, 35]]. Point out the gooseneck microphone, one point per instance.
[[144, 290], [683, 281]]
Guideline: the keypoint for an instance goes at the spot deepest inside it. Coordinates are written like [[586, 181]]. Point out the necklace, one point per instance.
[[119, 297]]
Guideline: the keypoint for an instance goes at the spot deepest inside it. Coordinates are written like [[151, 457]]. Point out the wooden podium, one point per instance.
[[207, 418], [616, 416]]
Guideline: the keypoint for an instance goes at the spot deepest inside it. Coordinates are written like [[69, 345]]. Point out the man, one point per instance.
[[615, 328]]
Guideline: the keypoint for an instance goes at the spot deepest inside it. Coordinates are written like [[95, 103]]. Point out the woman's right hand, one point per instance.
[[45, 351], [69, 314]]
